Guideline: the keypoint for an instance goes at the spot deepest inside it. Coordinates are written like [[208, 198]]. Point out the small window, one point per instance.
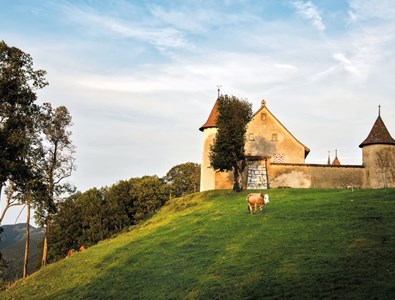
[[263, 117], [251, 137], [274, 137]]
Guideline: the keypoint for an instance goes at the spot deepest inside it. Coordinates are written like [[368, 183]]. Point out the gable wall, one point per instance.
[[264, 143]]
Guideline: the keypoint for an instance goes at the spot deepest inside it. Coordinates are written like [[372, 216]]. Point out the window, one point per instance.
[[263, 117], [274, 137], [251, 137]]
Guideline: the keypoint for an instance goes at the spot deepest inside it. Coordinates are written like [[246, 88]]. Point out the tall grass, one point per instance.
[[306, 244]]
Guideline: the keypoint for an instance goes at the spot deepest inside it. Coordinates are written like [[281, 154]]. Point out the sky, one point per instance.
[[140, 77]]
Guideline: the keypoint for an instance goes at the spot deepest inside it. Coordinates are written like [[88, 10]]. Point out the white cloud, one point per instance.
[[309, 11], [363, 11], [125, 28]]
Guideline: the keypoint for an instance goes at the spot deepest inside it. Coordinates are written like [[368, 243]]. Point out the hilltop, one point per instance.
[[307, 244]]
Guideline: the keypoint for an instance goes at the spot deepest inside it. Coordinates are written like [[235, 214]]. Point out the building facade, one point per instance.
[[276, 159]]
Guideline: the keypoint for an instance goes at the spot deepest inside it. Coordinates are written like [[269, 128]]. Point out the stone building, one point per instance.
[[277, 159]]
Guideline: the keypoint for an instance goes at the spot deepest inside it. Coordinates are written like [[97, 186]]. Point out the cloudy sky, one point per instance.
[[140, 77]]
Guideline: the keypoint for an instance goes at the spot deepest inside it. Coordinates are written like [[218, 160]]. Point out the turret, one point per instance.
[[209, 129], [378, 155]]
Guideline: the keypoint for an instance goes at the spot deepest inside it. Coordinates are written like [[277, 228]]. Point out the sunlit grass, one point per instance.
[[306, 244]]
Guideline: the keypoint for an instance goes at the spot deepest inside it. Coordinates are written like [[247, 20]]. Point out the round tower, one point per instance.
[[209, 129], [378, 156]]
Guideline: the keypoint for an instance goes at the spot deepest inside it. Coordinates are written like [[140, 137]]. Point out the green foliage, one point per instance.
[[119, 205], [57, 163], [89, 217], [18, 114], [307, 244], [66, 229], [148, 195], [227, 152], [183, 179]]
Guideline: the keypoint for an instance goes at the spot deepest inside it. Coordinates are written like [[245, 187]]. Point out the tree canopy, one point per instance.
[[36, 152], [18, 114], [183, 179], [227, 151]]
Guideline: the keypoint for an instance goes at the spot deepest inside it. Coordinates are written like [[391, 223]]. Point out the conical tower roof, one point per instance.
[[378, 135], [336, 161], [211, 121]]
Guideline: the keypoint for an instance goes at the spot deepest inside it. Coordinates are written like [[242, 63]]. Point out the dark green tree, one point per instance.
[[66, 228], [227, 151], [183, 179], [18, 115], [20, 146], [119, 206], [148, 195], [91, 205]]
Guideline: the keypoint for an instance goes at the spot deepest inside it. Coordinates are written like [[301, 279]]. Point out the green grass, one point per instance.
[[307, 244]]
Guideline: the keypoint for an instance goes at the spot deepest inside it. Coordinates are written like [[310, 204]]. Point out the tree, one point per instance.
[[183, 179], [20, 146], [118, 206], [58, 163], [227, 151], [18, 112], [148, 195], [92, 208], [66, 228]]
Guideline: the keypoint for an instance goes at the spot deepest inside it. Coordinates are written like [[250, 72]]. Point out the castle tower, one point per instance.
[[209, 129], [378, 155]]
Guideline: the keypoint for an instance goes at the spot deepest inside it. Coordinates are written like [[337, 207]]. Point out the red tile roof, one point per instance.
[[336, 162], [211, 121], [378, 135]]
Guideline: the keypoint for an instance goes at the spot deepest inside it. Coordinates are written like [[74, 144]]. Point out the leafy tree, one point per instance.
[[227, 151], [18, 112], [92, 208], [20, 147], [119, 206], [66, 228], [148, 195], [86, 218], [183, 179], [57, 164]]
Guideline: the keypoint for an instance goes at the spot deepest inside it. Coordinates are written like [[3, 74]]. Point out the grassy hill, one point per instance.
[[307, 244]]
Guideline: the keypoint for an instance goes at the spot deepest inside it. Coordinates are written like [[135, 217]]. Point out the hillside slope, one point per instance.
[[307, 244], [12, 247]]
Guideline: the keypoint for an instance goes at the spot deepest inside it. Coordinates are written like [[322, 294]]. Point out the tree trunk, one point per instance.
[[45, 248], [237, 174], [25, 263]]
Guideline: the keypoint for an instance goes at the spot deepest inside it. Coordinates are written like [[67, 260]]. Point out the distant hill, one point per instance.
[[12, 247], [307, 244]]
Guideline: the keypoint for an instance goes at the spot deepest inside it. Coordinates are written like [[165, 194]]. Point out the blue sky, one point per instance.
[[140, 77]]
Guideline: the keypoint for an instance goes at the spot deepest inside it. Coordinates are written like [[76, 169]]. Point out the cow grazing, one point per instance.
[[82, 248], [70, 253], [256, 200]]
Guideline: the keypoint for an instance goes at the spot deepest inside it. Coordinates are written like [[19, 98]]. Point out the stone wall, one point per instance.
[[316, 176], [256, 176]]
